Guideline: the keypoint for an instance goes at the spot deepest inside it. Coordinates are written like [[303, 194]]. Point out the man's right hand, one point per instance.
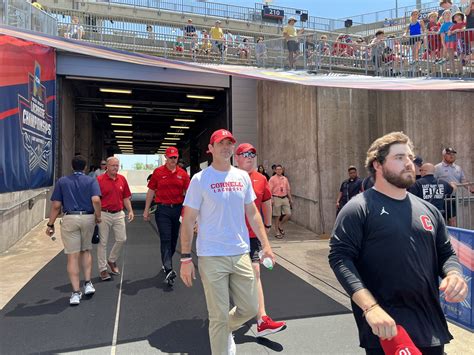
[[146, 215], [188, 273], [381, 323]]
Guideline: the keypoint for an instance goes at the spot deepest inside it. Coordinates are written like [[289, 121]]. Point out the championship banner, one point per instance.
[[27, 114], [462, 313]]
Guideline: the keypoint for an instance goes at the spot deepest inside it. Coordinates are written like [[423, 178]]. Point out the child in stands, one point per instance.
[[448, 41]]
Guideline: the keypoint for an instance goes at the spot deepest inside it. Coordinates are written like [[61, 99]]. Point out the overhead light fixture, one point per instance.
[[120, 116], [200, 97], [116, 91], [179, 127], [191, 110], [172, 138], [168, 143], [184, 120], [175, 133], [122, 124], [118, 106], [123, 137], [124, 142], [122, 131]]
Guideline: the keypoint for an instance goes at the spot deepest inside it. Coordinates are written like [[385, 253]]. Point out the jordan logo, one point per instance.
[[383, 211]]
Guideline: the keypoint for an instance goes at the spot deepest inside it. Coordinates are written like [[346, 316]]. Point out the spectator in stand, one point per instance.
[[262, 171], [179, 45], [217, 37], [415, 29], [229, 42], [453, 174], [290, 33], [431, 189], [469, 37], [149, 30], [206, 45], [447, 5], [341, 47], [244, 49], [434, 40], [448, 41], [349, 188], [74, 30], [260, 52], [323, 46], [282, 200], [191, 37], [37, 5], [377, 46], [459, 30]]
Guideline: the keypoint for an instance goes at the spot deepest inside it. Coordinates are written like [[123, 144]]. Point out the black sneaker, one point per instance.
[[170, 276]]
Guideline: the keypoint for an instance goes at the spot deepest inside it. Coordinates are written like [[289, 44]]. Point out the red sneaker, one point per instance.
[[268, 326]]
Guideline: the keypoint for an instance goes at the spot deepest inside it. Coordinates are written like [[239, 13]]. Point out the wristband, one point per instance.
[[186, 261], [269, 226], [367, 310], [185, 255], [50, 225]]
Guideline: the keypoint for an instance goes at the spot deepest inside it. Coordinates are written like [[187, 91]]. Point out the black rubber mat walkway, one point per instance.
[[39, 319]]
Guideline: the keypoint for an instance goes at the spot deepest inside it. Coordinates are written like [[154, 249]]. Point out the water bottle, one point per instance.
[[267, 262]]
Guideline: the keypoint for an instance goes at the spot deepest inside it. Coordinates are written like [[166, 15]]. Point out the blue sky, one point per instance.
[[336, 9]]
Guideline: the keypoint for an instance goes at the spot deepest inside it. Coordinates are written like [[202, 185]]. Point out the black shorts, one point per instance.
[[293, 46], [413, 40], [255, 247], [451, 208]]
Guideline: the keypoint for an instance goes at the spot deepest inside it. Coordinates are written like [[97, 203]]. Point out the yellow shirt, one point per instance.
[[290, 30], [38, 6], [216, 33]]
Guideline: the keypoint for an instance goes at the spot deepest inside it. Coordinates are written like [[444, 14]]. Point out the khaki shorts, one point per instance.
[[281, 206], [76, 232]]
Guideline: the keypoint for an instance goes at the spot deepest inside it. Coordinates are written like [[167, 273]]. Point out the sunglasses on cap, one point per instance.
[[248, 154]]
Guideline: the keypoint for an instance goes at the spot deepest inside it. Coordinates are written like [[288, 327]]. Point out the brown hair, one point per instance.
[[379, 149]]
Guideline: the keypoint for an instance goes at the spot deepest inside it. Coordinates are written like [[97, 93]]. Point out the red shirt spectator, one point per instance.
[[113, 192], [169, 186], [262, 191]]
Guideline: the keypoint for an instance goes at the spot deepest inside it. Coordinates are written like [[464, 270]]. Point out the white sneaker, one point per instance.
[[89, 289], [75, 298], [231, 348]]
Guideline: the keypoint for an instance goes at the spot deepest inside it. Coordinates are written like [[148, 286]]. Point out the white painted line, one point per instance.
[[113, 349]]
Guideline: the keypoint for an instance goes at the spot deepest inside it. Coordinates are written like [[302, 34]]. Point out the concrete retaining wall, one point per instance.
[[316, 133]]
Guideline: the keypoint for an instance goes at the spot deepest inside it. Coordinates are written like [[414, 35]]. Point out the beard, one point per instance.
[[399, 180]]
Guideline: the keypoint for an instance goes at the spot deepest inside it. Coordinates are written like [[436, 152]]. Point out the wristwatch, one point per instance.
[[185, 255], [50, 225]]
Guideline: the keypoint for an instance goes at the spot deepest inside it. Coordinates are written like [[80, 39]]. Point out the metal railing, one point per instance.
[[459, 207], [21, 14]]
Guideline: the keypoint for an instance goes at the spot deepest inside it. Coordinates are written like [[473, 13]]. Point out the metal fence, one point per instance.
[[21, 14], [460, 206]]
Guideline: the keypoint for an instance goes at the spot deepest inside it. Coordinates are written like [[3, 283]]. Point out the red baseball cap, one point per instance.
[[245, 147], [171, 152], [221, 134], [399, 345]]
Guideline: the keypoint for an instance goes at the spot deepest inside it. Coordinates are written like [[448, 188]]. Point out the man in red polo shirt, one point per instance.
[[245, 156], [168, 184], [115, 195]]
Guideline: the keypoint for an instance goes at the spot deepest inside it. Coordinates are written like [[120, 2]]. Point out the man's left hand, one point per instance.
[[454, 287]]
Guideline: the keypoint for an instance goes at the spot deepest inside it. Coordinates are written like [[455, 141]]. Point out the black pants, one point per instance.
[[167, 220], [435, 350]]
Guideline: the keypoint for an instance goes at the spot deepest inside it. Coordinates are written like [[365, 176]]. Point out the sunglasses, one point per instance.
[[248, 154], [172, 157]]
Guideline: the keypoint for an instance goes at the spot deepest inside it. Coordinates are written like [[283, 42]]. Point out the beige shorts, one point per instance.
[[76, 232], [281, 206]]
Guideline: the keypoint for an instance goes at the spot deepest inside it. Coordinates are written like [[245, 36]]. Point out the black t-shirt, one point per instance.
[[189, 29], [367, 183], [396, 249], [349, 189], [432, 190]]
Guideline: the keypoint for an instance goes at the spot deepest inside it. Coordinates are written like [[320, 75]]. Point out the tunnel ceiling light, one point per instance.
[[191, 110], [200, 97], [122, 131], [172, 139], [124, 142], [168, 143], [115, 91], [120, 116], [175, 133], [179, 127], [122, 124], [184, 120], [118, 106], [124, 137]]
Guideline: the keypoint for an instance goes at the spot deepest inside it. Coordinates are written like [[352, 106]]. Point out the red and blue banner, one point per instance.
[[27, 114], [462, 313]]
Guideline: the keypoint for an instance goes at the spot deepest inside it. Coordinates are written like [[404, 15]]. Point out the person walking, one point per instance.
[[167, 185], [282, 200], [221, 197], [349, 188], [246, 157], [79, 197], [115, 196], [389, 250]]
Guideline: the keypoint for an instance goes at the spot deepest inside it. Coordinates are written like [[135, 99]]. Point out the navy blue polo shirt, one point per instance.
[[75, 192]]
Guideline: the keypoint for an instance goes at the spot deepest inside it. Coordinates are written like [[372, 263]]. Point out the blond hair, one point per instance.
[[380, 148]]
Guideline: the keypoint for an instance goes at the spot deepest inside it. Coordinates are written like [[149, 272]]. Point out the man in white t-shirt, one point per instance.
[[220, 197]]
